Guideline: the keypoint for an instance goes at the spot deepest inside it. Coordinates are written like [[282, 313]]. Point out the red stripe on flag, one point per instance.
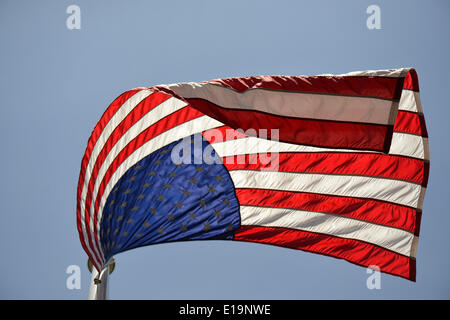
[[321, 133], [354, 251], [411, 81], [377, 165], [222, 133], [380, 87], [410, 122], [373, 211]]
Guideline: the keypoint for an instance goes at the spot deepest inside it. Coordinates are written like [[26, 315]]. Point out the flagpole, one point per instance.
[[99, 281]]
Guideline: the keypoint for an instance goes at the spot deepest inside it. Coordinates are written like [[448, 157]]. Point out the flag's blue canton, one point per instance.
[[158, 200]]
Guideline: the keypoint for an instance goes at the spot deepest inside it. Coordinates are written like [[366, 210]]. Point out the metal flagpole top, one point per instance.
[[98, 289]]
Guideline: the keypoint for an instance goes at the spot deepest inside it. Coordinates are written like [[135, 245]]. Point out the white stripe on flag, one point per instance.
[[395, 191], [390, 238], [410, 101], [250, 145], [409, 145], [292, 104], [402, 144]]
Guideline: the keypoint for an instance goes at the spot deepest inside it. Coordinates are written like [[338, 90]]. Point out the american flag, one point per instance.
[[331, 164]]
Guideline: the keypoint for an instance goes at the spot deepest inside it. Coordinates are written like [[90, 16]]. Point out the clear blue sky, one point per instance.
[[55, 84]]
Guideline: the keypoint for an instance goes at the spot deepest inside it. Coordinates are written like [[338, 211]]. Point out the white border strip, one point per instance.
[[394, 73]]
